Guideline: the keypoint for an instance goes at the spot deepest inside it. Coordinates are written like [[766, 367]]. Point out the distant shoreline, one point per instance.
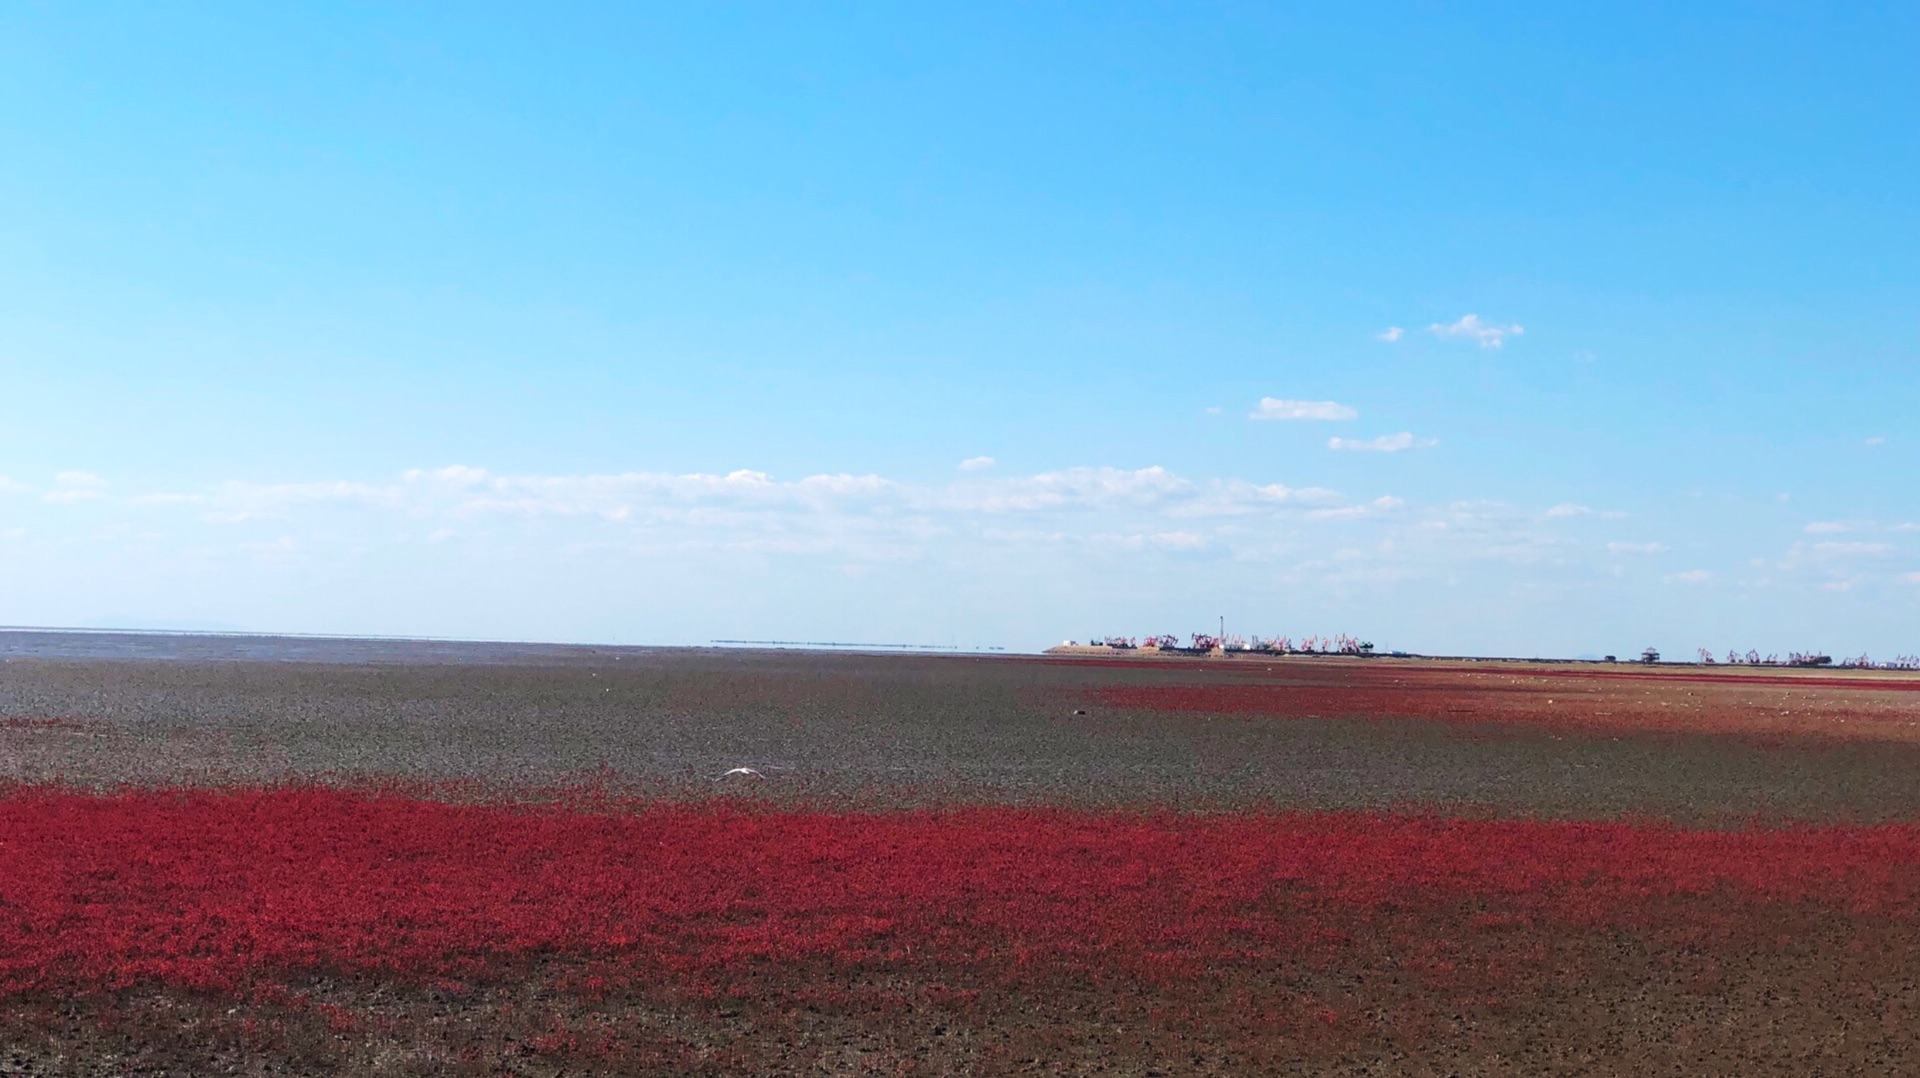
[[22, 641], [1600, 667]]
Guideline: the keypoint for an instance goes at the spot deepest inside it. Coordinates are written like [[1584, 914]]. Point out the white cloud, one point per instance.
[[1178, 540], [1851, 549], [1213, 409], [75, 487], [1113, 543], [274, 551], [1154, 519], [7, 483], [1306, 495], [258, 500], [640, 496], [1237, 497], [1841, 527], [1911, 578], [1488, 334], [1275, 408], [1691, 576], [840, 485], [863, 517], [1390, 334], [1386, 503], [1636, 548], [1832, 558], [976, 464], [1072, 488], [1877, 440], [458, 475], [1386, 443]]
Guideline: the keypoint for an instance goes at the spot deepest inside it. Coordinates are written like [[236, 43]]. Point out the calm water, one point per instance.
[[216, 647]]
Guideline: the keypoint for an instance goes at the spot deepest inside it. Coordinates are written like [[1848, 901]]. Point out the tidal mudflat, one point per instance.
[[221, 855]]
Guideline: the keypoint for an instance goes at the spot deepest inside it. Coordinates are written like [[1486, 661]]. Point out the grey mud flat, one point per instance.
[[843, 728]]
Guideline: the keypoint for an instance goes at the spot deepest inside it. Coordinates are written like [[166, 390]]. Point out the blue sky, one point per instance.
[[655, 325]]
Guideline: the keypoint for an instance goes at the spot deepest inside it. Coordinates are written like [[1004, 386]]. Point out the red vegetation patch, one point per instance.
[[214, 890], [32, 722], [1777, 679], [1598, 702]]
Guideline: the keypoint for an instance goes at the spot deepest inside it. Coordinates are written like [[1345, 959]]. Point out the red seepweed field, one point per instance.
[[1083, 868]]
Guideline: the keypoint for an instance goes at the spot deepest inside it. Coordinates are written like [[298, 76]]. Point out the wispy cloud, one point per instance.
[[627, 495], [747, 510], [1389, 334], [976, 464], [1386, 443], [1487, 334], [1877, 439], [1178, 540], [1237, 497], [1833, 559], [441, 538], [76, 487], [1073, 488], [256, 501], [745, 495], [1841, 527], [1851, 549], [1276, 408], [1384, 504]]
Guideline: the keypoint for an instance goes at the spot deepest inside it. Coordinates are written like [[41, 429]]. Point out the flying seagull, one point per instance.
[[744, 771]]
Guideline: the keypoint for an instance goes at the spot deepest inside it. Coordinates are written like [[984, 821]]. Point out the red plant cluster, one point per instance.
[[1589, 701], [222, 890]]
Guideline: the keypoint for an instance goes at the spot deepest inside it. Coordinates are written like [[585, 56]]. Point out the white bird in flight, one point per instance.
[[744, 771]]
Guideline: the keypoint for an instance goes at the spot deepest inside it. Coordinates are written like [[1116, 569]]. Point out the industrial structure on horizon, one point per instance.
[[1212, 644], [1224, 645]]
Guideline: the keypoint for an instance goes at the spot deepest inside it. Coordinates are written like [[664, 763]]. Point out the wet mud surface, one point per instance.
[[1735, 889], [1300, 733]]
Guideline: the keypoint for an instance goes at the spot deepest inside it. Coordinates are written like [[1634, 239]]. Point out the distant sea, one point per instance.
[[36, 643]]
